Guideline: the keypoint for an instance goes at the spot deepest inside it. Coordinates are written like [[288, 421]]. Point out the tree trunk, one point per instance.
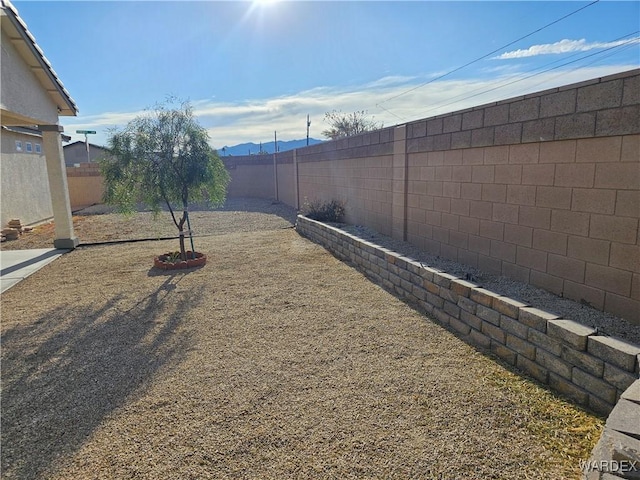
[[183, 253]]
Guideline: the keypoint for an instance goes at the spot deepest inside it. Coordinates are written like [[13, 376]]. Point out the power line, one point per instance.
[[485, 56], [389, 111], [611, 51], [627, 44]]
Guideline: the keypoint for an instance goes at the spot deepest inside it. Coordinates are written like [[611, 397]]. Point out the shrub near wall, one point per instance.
[[571, 358]]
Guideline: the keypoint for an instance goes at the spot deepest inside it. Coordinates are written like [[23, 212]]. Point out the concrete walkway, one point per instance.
[[16, 265]]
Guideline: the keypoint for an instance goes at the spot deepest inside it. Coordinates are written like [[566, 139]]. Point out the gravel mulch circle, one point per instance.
[[274, 360]]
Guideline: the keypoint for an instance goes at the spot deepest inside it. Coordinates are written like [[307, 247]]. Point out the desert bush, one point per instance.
[[331, 211]]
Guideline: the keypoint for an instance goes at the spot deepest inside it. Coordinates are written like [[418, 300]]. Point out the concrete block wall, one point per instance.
[[617, 454], [561, 215], [357, 171], [543, 188], [569, 357], [364, 184], [86, 185], [251, 176], [286, 187]]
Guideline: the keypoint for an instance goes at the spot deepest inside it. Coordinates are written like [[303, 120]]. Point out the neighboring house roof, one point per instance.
[[90, 144], [33, 131], [26, 44]]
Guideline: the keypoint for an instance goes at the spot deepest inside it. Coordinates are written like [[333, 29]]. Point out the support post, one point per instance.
[[275, 165], [295, 179], [399, 205], [57, 175]]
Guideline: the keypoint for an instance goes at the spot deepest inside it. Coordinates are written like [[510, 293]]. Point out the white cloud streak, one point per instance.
[[255, 120], [563, 46]]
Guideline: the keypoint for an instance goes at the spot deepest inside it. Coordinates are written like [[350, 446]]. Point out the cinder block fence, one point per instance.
[[543, 188], [86, 185], [571, 358]]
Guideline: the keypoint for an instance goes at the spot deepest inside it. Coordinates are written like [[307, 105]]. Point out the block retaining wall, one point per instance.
[[571, 358], [617, 454]]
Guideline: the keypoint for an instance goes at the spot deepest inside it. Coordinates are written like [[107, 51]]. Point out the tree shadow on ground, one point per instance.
[[66, 371]]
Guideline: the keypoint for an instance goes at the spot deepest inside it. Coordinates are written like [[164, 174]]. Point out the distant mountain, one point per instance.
[[254, 148]]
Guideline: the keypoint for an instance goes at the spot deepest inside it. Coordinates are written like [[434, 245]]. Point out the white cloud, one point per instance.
[[390, 80], [563, 46], [255, 120]]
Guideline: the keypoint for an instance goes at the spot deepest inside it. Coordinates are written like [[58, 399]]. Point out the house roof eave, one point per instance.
[[41, 67]]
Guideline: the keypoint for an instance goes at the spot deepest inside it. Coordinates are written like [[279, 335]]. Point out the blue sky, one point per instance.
[[252, 68]]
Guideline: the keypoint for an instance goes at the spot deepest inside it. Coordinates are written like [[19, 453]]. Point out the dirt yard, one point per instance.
[[100, 224], [274, 360]]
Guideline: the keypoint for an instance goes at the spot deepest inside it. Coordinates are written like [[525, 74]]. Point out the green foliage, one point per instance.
[[173, 257], [163, 158], [332, 211], [348, 124]]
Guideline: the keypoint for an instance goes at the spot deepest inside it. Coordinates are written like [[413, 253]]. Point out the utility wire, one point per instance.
[[485, 56], [627, 44], [389, 111], [611, 52]]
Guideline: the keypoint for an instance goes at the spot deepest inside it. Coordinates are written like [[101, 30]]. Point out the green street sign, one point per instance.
[[86, 132]]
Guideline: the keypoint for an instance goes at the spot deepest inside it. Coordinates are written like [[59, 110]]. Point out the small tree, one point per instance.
[[348, 124], [163, 158]]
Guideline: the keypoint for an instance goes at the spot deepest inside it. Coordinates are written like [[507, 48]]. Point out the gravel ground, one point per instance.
[[99, 223], [274, 360]]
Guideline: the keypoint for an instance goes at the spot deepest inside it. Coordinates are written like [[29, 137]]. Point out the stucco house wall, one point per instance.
[[33, 96], [23, 97], [20, 168]]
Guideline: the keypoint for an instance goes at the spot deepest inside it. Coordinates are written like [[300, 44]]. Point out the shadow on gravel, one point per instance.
[[66, 371], [156, 272]]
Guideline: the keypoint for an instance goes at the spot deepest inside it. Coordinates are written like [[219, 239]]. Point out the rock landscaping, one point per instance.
[[274, 361]]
